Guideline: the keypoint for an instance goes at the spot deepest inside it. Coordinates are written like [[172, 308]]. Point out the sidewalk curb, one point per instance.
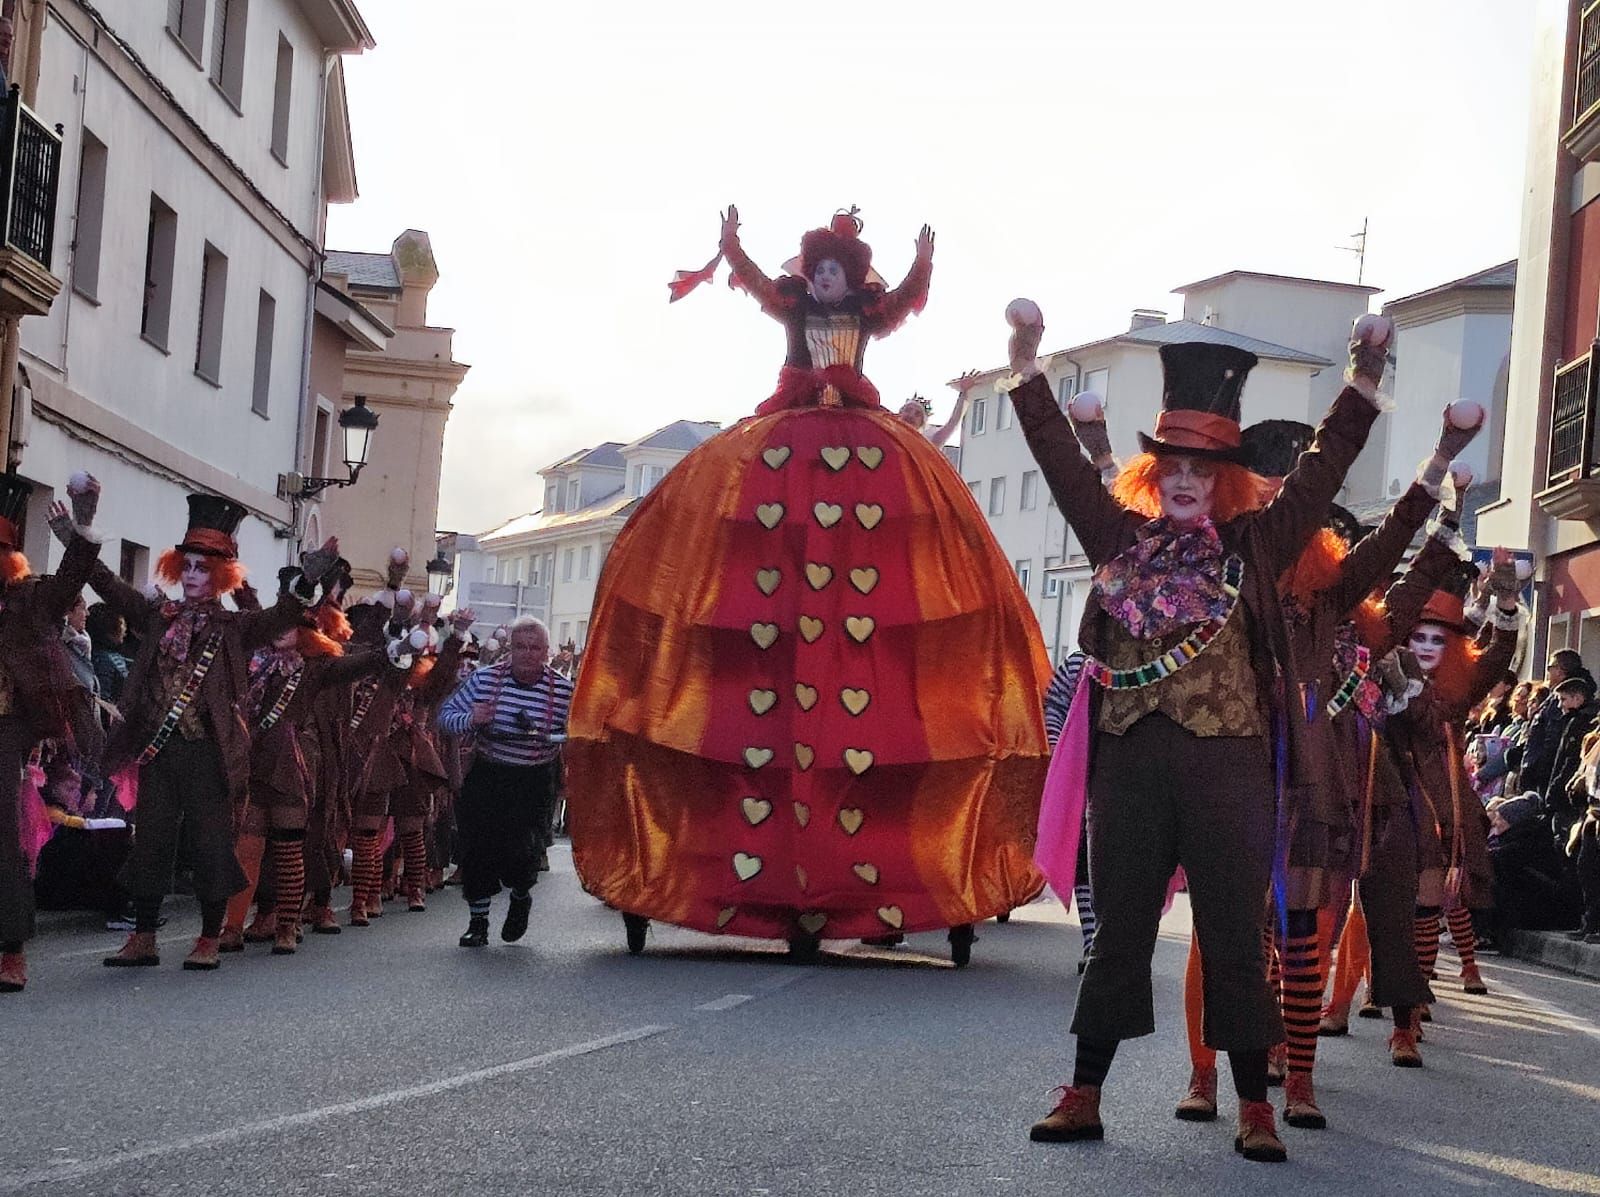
[[1554, 950]]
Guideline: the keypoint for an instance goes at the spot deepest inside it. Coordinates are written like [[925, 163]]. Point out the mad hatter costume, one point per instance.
[[818, 714], [183, 740], [1190, 657]]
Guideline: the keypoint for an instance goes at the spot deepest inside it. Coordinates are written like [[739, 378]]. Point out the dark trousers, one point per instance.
[[183, 790], [1160, 797], [1589, 879], [16, 886], [500, 819], [1389, 901]]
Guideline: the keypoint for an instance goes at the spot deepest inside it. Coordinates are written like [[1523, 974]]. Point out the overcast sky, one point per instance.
[[566, 159]]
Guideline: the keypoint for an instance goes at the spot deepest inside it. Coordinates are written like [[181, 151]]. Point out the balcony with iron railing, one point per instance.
[[30, 176], [1572, 487], [1583, 135]]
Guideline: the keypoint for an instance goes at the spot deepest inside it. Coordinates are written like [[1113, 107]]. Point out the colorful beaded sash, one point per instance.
[[369, 691], [181, 704], [1352, 682], [282, 703], [1190, 647]]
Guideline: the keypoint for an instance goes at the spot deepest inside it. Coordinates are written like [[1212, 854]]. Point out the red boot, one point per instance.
[[138, 952], [13, 972], [204, 957]]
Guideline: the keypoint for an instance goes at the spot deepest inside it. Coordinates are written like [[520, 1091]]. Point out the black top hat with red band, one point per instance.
[[14, 493], [213, 523], [1199, 416]]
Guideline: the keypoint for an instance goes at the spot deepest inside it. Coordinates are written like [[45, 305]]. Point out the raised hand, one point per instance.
[[399, 562], [1027, 322], [60, 521], [925, 244], [730, 226], [1501, 580], [462, 619], [83, 489], [316, 564], [1463, 420], [1370, 342]]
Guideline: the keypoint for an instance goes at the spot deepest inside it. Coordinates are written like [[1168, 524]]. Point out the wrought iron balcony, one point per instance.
[[1572, 491], [30, 175], [1583, 137]]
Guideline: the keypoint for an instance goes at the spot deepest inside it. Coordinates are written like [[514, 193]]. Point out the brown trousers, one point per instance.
[[1160, 797]]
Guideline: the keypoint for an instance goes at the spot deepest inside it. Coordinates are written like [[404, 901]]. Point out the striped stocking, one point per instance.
[[1302, 990], [414, 844], [1465, 939], [366, 874], [1427, 939], [289, 861], [1084, 899]]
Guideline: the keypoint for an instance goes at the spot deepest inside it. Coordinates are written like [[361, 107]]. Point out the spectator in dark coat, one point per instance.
[[1544, 730], [1566, 794]]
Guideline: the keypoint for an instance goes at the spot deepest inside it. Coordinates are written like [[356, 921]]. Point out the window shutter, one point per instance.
[[219, 39]]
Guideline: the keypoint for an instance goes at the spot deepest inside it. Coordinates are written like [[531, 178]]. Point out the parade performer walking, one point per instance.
[[810, 705], [183, 739], [36, 691], [1189, 649], [516, 711]]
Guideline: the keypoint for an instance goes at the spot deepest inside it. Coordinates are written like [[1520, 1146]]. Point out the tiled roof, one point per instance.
[[1275, 278], [616, 503], [1496, 278], [1177, 332], [365, 270], [604, 457], [680, 435]]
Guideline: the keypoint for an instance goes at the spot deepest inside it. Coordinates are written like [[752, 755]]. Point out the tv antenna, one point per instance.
[[1359, 249]]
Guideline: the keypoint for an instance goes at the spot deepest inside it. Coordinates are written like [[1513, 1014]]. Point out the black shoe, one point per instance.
[[477, 932], [516, 923]]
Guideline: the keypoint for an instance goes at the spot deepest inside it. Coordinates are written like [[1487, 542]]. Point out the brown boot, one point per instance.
[[1403, 1051], [1369, 1008], [1258, 1134], [138, 952], [322, 921], [1300, 1103], [1076, 1117], [264, 927], [231, 940], [13, 972], [1200, 1103], [1277, 1064], [415, 902], [204, 957], [287, 939], [1335, 1021], [1472, 980]]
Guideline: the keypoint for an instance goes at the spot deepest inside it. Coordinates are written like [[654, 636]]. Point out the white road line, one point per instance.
[[17, 1181], [1550, 1010], [726, 1002]]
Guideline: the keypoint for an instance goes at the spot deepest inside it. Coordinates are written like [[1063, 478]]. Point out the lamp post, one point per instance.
[[356, 426], [441, 575]]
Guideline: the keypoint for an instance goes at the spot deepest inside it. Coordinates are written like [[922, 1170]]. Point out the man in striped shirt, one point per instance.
[[516, 711]]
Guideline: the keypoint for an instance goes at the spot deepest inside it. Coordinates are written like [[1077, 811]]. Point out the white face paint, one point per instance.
[[1187, 486], [1427, 644], [828, 283], [196, 577]]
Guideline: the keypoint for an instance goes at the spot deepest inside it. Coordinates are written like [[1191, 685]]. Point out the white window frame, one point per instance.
[[979, 418], [1003, 412], [1025, 573], [89, 215], [586, 563], [997, 496]]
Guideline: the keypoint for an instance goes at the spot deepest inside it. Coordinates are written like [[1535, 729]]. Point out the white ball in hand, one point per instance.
[[403, 597], [1086, 407], [1524, 568], [1373, 330], [418, 638], [1023, 313], [1464, 414], [399, 557], [1461, 475], [78, 484]]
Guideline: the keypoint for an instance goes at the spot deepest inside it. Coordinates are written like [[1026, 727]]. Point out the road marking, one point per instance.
[[17, 1181], [726, 1002], [1562, 1018], [1560, 1180]]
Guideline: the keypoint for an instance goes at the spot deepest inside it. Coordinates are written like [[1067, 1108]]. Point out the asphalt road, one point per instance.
[[390, 1061]]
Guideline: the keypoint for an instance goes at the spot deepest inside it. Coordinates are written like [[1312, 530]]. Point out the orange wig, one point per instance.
[[1317, 568], [311, 643], [1237, 490], [227, 573], [14, 567], [331, 622], [420, 670]]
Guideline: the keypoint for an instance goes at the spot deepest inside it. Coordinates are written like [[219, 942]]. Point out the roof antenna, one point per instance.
[[1359, 249]]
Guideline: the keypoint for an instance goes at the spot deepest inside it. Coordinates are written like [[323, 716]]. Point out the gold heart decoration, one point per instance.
[[725, 916], [812, 923], [892, 915], [767, 581], [818, 575], [802, 814], [855, 701], [828, 514], [805, 695], [864, 579], [860, 627], [870, 456], [775, 456], [764, 634], [869, 514], [800, 876], [762, 701], [757, 757], [837, 457], [857, 760], [810, 628], [769, 514], [746, 866], [804, 756], [756, 811], [851, 818], [867, 872]]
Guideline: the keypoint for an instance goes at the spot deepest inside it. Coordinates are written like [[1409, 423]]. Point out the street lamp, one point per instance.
[[440, 575], [356, 425]]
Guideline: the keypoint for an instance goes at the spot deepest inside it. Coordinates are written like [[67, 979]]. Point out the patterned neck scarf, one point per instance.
[[186, 620], [1169, 578]]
